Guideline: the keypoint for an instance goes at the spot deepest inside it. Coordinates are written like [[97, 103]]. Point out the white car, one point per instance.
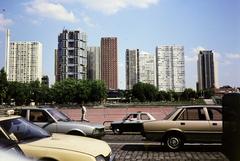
[[131, 123]]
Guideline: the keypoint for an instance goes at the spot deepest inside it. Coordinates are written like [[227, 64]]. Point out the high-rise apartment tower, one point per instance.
[[170, 68], [71, 55], [94, 63], [109, 63], [132, 68], [207, 70], [147, 69], [24, 61]]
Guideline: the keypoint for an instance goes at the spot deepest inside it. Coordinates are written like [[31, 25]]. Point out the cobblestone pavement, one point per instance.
[[134, 148]]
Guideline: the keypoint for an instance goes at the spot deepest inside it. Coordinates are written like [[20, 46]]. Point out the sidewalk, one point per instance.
[[100, 115]]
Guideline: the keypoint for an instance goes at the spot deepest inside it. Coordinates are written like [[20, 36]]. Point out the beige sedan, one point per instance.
[[191, 124]]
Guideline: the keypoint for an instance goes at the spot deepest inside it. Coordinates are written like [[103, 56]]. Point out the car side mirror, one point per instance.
[[50, 120], [13, 137]]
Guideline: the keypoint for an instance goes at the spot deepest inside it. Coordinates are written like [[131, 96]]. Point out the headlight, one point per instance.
[[100, 158], [98, 131]]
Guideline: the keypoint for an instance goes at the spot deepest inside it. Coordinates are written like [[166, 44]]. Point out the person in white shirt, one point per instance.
[[84, 111]]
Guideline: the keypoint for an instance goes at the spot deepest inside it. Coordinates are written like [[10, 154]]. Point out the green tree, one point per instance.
[[161, 96], [150, 92], [19, 92], [98, 91], [64, 91], [138, 92], [83, 91], [208, 93], [188, 94], [3, 85]]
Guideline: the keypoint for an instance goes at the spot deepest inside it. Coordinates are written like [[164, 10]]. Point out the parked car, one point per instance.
[[56, 121], [9, 156], [9, 146], [192, 124], [40, 144], [9, 149], [131, 123]]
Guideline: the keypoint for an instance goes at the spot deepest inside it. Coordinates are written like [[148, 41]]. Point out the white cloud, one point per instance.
[[52, 10], [113, 6], [233, 56], [4, 22], [87, 20]]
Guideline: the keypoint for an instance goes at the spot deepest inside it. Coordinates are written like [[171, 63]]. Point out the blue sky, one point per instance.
[[143, 24]]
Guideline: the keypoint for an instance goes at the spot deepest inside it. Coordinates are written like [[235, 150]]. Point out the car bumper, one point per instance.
[[112, 158]]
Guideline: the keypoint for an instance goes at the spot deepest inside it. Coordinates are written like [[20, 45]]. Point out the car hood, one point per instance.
[[78, 123], [80, 144]]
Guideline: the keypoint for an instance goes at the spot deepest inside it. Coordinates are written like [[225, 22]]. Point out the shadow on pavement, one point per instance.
[[186, 148]]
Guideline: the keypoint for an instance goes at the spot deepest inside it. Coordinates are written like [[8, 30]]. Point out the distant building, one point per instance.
[[170, 68], [94, 63], [23, 60], [221, 91], [132, 68], [71, 55], [147, 69], [109, 62], [207, 70], [45, 80]]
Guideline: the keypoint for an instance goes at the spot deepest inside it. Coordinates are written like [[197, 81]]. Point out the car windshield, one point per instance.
[[58, 115], [170, 114], [23, 129]]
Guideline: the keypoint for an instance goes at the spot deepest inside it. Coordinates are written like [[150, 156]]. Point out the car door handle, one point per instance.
[[214, 124], [182, 123]]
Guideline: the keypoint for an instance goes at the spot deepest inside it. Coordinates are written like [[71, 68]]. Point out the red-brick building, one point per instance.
[[109, 63]]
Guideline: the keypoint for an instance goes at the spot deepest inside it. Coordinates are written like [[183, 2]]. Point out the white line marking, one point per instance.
[[192, 144]]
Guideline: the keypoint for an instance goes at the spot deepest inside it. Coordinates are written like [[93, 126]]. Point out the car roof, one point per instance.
[[5, 117], [139, 112], [200, 106], [33, 107]]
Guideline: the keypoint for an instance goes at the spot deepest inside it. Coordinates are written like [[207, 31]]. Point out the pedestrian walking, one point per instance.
[[84, 111]]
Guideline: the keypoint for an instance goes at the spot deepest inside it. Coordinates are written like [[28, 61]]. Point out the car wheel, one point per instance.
[[173, 142], [117, 131]]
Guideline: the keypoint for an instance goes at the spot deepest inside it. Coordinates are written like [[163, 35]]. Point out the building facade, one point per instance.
[[207, 70], [132, 68], [170, 68], [147, 72], [94, 63], [71, 55], [24, 61], [109, 63]]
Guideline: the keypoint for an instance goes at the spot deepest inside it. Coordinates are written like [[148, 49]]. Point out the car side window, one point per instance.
[[21, 112], [132, 117], [38, 116], [192, 114], [215, 114], [144, 117]]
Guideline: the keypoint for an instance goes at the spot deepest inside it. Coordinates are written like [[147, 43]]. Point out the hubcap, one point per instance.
[[173, 142]]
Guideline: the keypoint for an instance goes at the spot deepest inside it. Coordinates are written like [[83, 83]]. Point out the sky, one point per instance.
[[143, 24]]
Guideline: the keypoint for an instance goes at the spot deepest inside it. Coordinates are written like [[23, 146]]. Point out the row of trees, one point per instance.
[[146, 92], [79, 91], [67, 91]]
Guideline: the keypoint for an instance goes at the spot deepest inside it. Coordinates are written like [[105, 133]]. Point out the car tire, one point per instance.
[[173, 142], [117, 131]]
